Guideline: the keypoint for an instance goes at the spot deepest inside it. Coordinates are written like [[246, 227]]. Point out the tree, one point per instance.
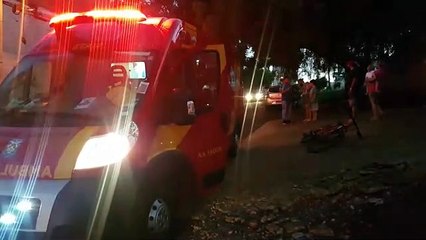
[[334, 29], [247, 75], [167, 8]]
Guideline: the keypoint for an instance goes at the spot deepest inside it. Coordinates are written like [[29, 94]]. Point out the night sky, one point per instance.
[[327, 27]]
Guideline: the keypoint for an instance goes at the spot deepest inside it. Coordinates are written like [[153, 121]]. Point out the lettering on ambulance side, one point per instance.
[[167, 137], [210, 152], [11, 170]]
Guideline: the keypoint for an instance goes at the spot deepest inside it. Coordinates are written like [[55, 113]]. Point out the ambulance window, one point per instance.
[[206, 67], [173, 89], [41, 79], [31, 83]]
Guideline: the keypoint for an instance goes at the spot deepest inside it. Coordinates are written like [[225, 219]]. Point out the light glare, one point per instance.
[[258, 96], [24, 205], [125, 14], [63, 17], [122, 14], [249, 97], [103, 150], [8, 218]]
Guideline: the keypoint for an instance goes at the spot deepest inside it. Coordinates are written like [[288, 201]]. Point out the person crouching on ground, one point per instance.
[[286, 100], [313, 100]]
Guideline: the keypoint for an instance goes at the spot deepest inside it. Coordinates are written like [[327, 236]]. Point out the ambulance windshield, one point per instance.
[[73, 85]]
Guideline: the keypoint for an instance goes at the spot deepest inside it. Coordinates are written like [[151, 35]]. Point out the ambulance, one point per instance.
[[111, 126]]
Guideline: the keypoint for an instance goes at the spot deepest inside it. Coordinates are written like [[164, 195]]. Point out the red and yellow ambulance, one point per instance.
[[110, 126]]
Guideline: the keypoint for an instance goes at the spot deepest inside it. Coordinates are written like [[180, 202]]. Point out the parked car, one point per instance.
[[273, 96]]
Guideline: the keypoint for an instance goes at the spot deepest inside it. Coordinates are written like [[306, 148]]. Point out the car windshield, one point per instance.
[[274, 89], [72, 88]]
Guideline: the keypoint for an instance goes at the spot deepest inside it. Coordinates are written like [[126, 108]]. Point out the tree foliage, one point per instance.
[[337, 30]]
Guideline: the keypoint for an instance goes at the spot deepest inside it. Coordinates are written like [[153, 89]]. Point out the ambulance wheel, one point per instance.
[[163, 204], [158, 216]]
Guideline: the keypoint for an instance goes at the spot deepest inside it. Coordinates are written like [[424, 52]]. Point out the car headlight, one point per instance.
[[103, 150], [258, 96], [249, 97]]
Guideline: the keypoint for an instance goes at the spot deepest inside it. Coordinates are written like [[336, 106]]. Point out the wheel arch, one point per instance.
[[171, 160], [157, 170]]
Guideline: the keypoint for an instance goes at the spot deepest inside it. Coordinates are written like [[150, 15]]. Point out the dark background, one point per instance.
[[336, 30]]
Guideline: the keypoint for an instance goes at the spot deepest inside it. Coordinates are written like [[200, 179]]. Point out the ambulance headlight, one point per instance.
[[103, 150], [24, 205], [8, 219]]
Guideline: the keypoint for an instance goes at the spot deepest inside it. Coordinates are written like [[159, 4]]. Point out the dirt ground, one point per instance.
[[358, 189]]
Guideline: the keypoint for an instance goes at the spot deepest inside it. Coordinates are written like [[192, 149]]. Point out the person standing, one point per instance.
[[304, 95], [286, 100], [372, 87], [352, 89], [313, 100]]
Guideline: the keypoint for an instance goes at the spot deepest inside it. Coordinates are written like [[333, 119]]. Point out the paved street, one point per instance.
[[272, 162]]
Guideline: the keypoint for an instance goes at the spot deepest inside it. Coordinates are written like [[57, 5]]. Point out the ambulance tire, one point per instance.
[[166, 191]]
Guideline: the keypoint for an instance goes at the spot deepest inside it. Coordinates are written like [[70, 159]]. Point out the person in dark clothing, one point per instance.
[[286, 100], [352, 86]]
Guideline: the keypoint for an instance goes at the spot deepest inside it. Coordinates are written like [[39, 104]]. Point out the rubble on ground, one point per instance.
[[332, 207]]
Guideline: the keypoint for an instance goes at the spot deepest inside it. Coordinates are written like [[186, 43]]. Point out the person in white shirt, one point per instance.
[[372, 86], [313, 99]]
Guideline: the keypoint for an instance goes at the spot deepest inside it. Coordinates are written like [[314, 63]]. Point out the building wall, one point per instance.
[[33, 31]]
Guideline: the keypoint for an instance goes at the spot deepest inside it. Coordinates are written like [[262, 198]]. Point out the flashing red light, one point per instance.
[[153, 21], [128, 14], [124, 14], [63, 18]]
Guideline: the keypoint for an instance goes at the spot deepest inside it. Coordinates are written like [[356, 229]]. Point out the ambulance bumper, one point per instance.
[[54, 209]]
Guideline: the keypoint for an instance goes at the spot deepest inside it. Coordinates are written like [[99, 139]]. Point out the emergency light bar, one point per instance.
[[66, 17], [107, 14]]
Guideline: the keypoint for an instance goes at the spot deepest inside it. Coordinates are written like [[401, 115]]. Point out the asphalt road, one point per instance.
[[257, 114]]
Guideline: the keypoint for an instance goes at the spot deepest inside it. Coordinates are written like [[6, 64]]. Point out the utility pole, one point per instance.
[[1, 38]]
